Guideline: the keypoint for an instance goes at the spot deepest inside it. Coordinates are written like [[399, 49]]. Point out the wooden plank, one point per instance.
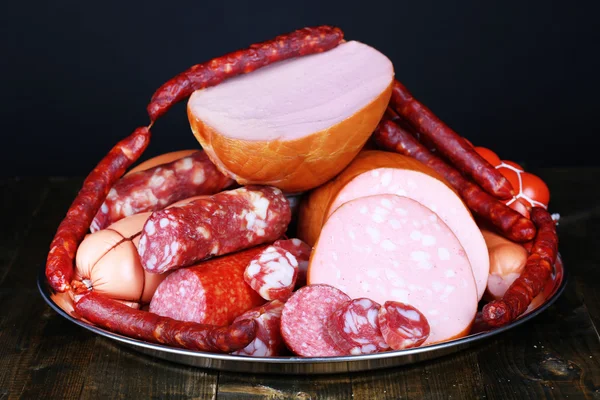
[[118, 372], [19, 203], [454, 376], [21, 274], [250, 387]]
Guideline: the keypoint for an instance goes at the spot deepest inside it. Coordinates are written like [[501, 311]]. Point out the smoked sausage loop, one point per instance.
[[538, 269], [449, 143]]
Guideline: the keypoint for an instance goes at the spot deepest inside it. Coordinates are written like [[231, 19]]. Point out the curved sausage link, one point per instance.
[[513, 225], [537, 272], [449, 143], [119, 318], [301, 42], [71, 231]]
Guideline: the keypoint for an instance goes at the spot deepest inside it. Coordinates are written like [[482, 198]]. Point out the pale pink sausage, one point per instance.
[[388, 247], [433, 194]]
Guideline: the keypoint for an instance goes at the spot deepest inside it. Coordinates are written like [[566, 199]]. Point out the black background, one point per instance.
[[520, 78]]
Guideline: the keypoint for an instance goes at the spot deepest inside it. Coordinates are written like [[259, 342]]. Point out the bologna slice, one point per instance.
[[388, 247], [378, 172], [304, 320], [212, 292]]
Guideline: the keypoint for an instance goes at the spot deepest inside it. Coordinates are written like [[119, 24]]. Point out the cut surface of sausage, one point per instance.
[[272, 273], [389, 247], [211, 292], [354, 327], [268, 341], [402, 325], [433, 194], [301, 251], [294, 98], [304, 320]]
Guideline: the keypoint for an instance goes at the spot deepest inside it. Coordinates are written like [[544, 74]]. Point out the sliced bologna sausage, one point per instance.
[[301, 251], [379, 172], [389, 247], [354, 327], [212, 292], [268, 341], [402, 325], [157, 187], [304, 320], [272, 273], [220, 224]]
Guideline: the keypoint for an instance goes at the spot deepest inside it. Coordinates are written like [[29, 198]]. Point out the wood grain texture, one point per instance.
[[42, 355]]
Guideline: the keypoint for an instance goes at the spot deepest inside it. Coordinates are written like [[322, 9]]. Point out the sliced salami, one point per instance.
[[212, 292], [157, 187], [268, 341], [389, 247], [402, 326], [220, 224], [354, 327], [301, 251], [272, 273], [304, 320]]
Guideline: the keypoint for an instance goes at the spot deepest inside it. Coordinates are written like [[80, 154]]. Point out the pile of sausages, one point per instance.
[[230, 279]]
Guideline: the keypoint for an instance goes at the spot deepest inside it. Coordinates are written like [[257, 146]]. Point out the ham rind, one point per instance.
[[295, 98], [392, 248], [433, 194]]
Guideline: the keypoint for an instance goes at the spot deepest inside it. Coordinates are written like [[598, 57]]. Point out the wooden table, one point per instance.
[[44, 356]]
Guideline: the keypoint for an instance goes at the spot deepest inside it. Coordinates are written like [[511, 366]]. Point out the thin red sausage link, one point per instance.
[[537, 272], [301, 42], [391, 136], [119, 318], [71, 231], [449, 143]]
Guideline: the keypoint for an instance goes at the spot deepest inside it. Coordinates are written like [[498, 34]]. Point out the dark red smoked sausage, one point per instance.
[[71, 231], [301, 42], [534, 277], [155, 188], [119, 318], [220, 224], [449, 143], [514, 226]]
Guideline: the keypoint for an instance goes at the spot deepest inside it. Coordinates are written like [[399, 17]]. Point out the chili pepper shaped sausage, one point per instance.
[[155, 188], [71, 231], [531, 282], [301, 42], [119, 318], [449, 143], [220, 224], [511, 224]]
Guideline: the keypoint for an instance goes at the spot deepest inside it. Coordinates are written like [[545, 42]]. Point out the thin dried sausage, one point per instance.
[[301, 42], [449, 143], [537, 272], [510, 223], [71, 231], [119, 318]]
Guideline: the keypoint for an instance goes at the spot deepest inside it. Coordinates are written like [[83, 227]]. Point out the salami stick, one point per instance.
[[155, 188], [71, 231], [119, 318], [449, 143], [513, 225], [537, 271], [301, 42]]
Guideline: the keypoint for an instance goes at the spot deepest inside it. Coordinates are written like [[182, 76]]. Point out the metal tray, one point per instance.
[[319, 365]]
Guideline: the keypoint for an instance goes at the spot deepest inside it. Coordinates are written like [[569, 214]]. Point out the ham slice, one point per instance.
[[392, 248], [297, 123]]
